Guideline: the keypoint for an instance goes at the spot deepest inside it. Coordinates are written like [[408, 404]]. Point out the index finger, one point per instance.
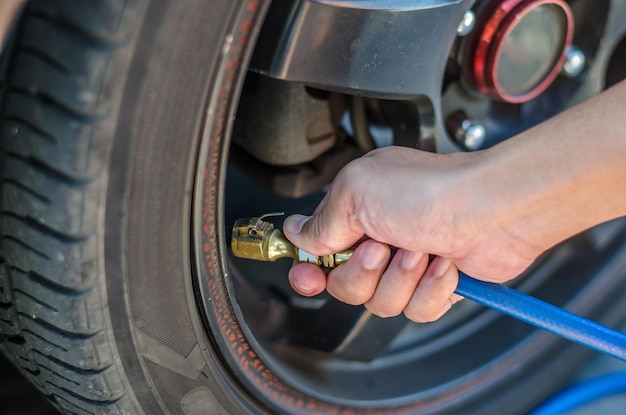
[[333, 227]]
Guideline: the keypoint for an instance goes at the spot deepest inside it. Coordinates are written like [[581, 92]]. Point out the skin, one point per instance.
[[489, 214]]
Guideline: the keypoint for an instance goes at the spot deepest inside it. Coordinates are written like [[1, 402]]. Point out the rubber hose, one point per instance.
[[544, 316], [583, 393]]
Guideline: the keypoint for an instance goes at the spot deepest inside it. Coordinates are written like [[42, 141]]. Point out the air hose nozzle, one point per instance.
[[255, 238]]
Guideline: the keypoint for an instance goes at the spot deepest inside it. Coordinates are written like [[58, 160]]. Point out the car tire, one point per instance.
[[116, 295]]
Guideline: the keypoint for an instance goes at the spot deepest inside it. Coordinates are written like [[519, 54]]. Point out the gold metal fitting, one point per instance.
[[255, 238]]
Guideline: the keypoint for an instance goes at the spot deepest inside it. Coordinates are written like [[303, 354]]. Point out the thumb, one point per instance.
[[323, 233]]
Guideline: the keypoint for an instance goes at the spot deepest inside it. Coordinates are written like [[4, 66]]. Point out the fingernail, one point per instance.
[[294, 223], [302, 287], [374, 256], [440, 267], [410, 260]]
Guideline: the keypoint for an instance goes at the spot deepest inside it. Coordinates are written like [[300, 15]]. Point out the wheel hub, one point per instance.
[[521, 49]]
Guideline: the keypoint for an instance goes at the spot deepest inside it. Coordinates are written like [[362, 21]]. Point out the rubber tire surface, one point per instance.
[[102, 104], [104, 107]]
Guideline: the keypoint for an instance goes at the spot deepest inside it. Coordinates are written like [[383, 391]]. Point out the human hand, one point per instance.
[[420, 203], [489, 213]]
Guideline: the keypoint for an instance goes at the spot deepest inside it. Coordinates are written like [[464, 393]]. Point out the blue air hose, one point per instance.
[[544, 316], [583, 393]]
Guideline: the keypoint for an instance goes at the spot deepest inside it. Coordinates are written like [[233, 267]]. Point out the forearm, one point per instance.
[[562, 176], [488, 213]]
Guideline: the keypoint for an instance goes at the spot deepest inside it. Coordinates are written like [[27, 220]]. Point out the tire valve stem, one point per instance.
[[255, 238]]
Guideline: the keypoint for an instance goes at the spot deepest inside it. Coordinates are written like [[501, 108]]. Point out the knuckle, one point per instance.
[[359, 296], [377, 152], [315, 229], [351, 171], [350, 294], [351, 284], [385, 306], [383, 312], [421, 316], [318, 235], [351, 177]]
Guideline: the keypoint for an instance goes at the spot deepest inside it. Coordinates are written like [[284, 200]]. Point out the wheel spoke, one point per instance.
[[350, 332], [383, 48]]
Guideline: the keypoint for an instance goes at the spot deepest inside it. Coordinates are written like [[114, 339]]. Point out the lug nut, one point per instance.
[[468, 134], [575, 62], [467, 24]]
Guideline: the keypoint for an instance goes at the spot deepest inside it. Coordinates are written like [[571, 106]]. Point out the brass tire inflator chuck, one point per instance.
[[255, 238]]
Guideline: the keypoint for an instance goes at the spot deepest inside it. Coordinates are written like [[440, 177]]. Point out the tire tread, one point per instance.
[[56, 108]]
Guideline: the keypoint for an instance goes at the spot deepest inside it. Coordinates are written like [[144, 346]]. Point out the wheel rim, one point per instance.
[[410, 376]]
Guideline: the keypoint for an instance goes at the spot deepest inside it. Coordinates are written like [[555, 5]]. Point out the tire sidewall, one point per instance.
[[180, 63]]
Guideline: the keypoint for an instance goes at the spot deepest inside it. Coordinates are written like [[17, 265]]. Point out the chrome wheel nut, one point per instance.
[[575, 61], [467, 24], [468, 134]]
